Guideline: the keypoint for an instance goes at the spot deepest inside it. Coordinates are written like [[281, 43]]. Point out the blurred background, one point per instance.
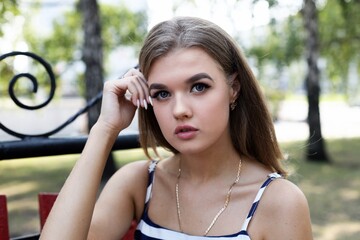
[[304, 53]]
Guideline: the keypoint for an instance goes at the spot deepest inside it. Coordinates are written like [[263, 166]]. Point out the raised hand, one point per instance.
[[121, 97]]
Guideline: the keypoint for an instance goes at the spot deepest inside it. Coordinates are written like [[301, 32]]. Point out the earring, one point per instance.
[[233, 105]]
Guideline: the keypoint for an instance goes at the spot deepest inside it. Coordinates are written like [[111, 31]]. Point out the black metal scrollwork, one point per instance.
[[34, 81]]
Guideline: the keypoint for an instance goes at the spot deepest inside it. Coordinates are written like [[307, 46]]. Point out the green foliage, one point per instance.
[[62, 44], [8, 9], [340, 45], [339, 33], [6, 73], [282, 45], [274, 98], [120, 26]]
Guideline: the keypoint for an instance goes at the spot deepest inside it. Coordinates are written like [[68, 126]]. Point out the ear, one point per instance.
[[234, 87]]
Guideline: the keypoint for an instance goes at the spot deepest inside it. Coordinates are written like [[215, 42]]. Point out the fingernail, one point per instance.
[[138, 103], [151, 102], [145, 104]]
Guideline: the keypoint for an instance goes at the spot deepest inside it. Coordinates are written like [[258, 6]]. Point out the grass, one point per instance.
[[333, 190]]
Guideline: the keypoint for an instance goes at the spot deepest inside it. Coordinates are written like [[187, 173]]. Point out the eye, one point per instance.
[[160, 95], [199, 87]]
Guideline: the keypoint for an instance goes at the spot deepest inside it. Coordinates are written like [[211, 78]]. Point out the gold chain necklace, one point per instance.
[[227, 200]]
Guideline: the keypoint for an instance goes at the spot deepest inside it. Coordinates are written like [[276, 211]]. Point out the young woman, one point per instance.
[[198, 98]]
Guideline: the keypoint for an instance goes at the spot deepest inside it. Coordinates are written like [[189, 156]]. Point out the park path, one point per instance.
[[337, 118]]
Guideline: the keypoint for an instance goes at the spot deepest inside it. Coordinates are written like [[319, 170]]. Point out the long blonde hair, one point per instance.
[[251, 127]]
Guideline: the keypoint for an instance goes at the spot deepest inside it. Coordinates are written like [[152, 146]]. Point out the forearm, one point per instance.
[[71, 214]]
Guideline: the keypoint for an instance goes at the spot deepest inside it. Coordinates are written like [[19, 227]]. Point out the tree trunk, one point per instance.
[[316, 145], [92, 56]]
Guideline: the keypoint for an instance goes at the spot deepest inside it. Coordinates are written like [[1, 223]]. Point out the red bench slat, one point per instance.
[[4, 221], [46, 201]]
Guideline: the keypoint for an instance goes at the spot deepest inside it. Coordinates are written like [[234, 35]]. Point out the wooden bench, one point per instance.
[[46, 201]]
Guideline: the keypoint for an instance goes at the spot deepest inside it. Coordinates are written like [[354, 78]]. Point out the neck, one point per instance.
[[213, 167], [208, 165]]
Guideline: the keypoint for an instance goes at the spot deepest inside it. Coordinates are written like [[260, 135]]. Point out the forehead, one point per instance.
[[183, 63]]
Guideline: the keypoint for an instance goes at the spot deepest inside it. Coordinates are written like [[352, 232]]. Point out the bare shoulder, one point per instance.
[[121, 201], [134, 170], [130, 180], [284, 212], [282, 191]]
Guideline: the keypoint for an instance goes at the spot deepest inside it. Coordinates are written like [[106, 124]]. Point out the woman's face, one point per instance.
[[191, 100]]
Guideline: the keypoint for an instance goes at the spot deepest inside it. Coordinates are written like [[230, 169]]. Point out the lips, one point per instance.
[[185, 132], [181, 129]]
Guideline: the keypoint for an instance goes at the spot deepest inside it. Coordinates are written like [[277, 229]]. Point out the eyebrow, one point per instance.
[[190, 80]]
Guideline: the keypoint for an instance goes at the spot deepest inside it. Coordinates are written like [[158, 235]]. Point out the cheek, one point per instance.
[[220, 114], [162, 116], [217, 106], [217, 110]]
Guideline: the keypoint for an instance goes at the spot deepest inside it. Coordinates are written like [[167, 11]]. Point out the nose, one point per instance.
[[182, 107]]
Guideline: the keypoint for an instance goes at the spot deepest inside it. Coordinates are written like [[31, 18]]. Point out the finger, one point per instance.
[[141, 95], [145, 89], [123, 88], [141, 91], [133, 90], [132, 72], [136, 72], [144, 85]]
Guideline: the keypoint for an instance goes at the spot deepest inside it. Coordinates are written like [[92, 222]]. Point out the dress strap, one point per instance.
[[151, 169], [255, 204]]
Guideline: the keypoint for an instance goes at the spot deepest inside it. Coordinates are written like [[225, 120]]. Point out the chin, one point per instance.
[[191, 149]]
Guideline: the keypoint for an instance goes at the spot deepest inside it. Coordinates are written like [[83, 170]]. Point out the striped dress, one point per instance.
[[148, 230]]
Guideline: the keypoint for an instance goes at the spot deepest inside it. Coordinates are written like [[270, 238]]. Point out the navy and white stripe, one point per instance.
[[255, 204], [148, 230]]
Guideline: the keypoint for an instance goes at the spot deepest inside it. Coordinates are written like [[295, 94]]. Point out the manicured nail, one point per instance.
[[138, 103], [145, 104], [151, 102]]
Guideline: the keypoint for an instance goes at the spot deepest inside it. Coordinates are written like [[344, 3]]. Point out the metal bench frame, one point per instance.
[[45, 144]]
